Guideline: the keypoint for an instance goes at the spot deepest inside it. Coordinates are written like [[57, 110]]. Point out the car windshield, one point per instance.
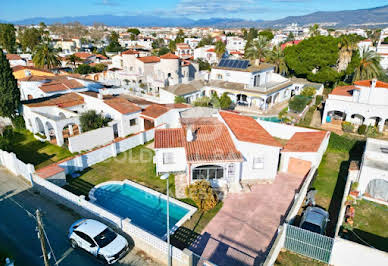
[[105, 237], [311, 227]]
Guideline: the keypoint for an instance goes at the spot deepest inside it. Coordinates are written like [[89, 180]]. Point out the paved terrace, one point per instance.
[[243, 231]]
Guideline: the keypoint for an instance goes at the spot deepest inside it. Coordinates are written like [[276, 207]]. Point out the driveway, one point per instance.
[[243, 231], [17, 228]]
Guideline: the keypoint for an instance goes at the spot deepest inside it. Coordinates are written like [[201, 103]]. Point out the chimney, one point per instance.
[[189, 134], [373, 83]]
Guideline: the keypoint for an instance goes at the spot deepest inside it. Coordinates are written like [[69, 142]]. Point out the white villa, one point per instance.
[[373, 175], [230, 149], [365, 102], [206, 53]]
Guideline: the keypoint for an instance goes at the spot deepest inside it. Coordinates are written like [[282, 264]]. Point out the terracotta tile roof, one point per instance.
[[211, 143], [245, 128], [169, 138], [60, 85], [64, 100], [305, 142], [101, 56], [367, 83], [211, 50], [183, 45], [49, 171], [155, 110], [34, 78], [149, 59], [130, 52], [18, 68], [122, 105], [83, 55], [169, 56], [13, 57], [344, 90]]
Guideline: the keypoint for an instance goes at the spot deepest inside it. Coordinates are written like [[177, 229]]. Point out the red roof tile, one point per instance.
[[155, 110], [64, 100], [367, 83], [211, 50], [344, 90], [83, 55], [13, 57], [245, 128], [149, 59], [169, 56], [305, 142], [122, 105], [169, 138], [18, 68], [60, 85], [130, 52], [49, 171]]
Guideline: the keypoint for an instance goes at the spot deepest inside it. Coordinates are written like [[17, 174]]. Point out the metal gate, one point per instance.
[[308, 243]]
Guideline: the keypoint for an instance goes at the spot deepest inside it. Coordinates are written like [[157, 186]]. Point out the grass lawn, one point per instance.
[[370, 225], [332, 173], [137, 165], [40, 154], [287, 258], [308, 117]]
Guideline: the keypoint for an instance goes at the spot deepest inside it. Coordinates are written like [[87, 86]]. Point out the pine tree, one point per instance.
[[9, 91]]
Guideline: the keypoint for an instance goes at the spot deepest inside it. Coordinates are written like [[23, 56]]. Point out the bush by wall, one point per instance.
[[362, 130], [347, 127], [298, 103]]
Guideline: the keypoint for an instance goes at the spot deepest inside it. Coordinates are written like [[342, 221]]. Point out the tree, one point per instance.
[[252, 34], [90, 120], [215, 101], [45, 57], [114, 45], [172, 46], [134, 31], [267, 34], [346, 47], [202, 194], [225, 101], [203, 65], [203, 101], [8, 37], [179, 99], [163, 51], [308, 91], [180, 37], [208, 40], [73, 59], [9, 91], [257, 50], [220, 48], [277, 57], [29, 38], [369, 66], [290, 37], [314, 30], [158, 43], [385, 40], [374, 35]]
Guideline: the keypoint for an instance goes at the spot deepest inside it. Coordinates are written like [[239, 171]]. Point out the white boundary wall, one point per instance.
[[152, 245], [17, 167], [91, 139], [282, 131]]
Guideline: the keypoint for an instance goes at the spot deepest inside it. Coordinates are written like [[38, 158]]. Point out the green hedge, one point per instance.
[[298, 103]]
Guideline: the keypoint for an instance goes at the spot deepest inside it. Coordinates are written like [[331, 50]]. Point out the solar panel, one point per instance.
[[235, 63], [230, 63], [245, 64], [222, 63]]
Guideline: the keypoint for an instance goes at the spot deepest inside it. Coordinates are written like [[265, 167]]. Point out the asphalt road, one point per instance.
[[18, 229]]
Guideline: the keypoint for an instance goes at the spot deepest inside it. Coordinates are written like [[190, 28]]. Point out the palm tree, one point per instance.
[[172, 46], [369, 66], [314, 30], [220, 48], [45, 56], [346, 46], [258, 49], [73, 59], [276, 57]]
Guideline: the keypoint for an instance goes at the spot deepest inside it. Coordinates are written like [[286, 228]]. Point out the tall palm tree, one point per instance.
[[314, 30], [276, 57], [369, 66], [346, 47], [258, 49], [220, 48], [45, 56], [73, 59]]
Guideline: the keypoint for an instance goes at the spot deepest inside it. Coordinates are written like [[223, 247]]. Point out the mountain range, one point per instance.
[[348, 18]]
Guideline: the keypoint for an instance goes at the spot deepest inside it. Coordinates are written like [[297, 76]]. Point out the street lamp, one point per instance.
[[165, 177]]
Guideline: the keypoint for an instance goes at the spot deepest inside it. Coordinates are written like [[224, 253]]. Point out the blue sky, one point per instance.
[[248, 9]]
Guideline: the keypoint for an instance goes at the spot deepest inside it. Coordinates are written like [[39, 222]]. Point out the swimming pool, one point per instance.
[[271, 119], [145, 207]]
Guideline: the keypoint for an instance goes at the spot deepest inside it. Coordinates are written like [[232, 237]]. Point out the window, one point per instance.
[[208, 172], [219, 76], [85, 237], [168, 158], [133, 122], [258, 162], [231, 170]]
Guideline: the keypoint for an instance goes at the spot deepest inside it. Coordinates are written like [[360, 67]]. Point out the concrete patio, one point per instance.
[[243, 231]]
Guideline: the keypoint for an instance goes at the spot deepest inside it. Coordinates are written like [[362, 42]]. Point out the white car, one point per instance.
[[98, 239]]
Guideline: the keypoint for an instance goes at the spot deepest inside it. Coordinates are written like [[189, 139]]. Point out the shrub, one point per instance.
[[179, 99], [202, 194], [372, 131], [318, 100], [202, 101], [308, 91], [354, 186], [298, 103], [225, 101], [18, 122], [347, 127], [362, 130], [91, 120]]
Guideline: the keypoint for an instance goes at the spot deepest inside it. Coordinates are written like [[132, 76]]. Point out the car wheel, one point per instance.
[[74, 244], [102, 259]]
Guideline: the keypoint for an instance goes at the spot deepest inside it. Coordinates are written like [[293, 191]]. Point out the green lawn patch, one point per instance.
[[40, 154], [287, 258], [369, 225]]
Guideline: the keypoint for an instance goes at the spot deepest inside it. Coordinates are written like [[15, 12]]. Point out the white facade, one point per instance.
[[206, 53], [235, 44]]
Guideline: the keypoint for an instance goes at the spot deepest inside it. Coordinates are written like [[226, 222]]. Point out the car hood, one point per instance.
[[114, 247]]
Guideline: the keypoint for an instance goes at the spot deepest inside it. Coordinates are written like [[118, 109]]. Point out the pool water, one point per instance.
[[271, 119], [146, 210]]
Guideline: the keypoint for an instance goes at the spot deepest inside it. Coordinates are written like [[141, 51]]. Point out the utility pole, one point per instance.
[[42, 238]]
